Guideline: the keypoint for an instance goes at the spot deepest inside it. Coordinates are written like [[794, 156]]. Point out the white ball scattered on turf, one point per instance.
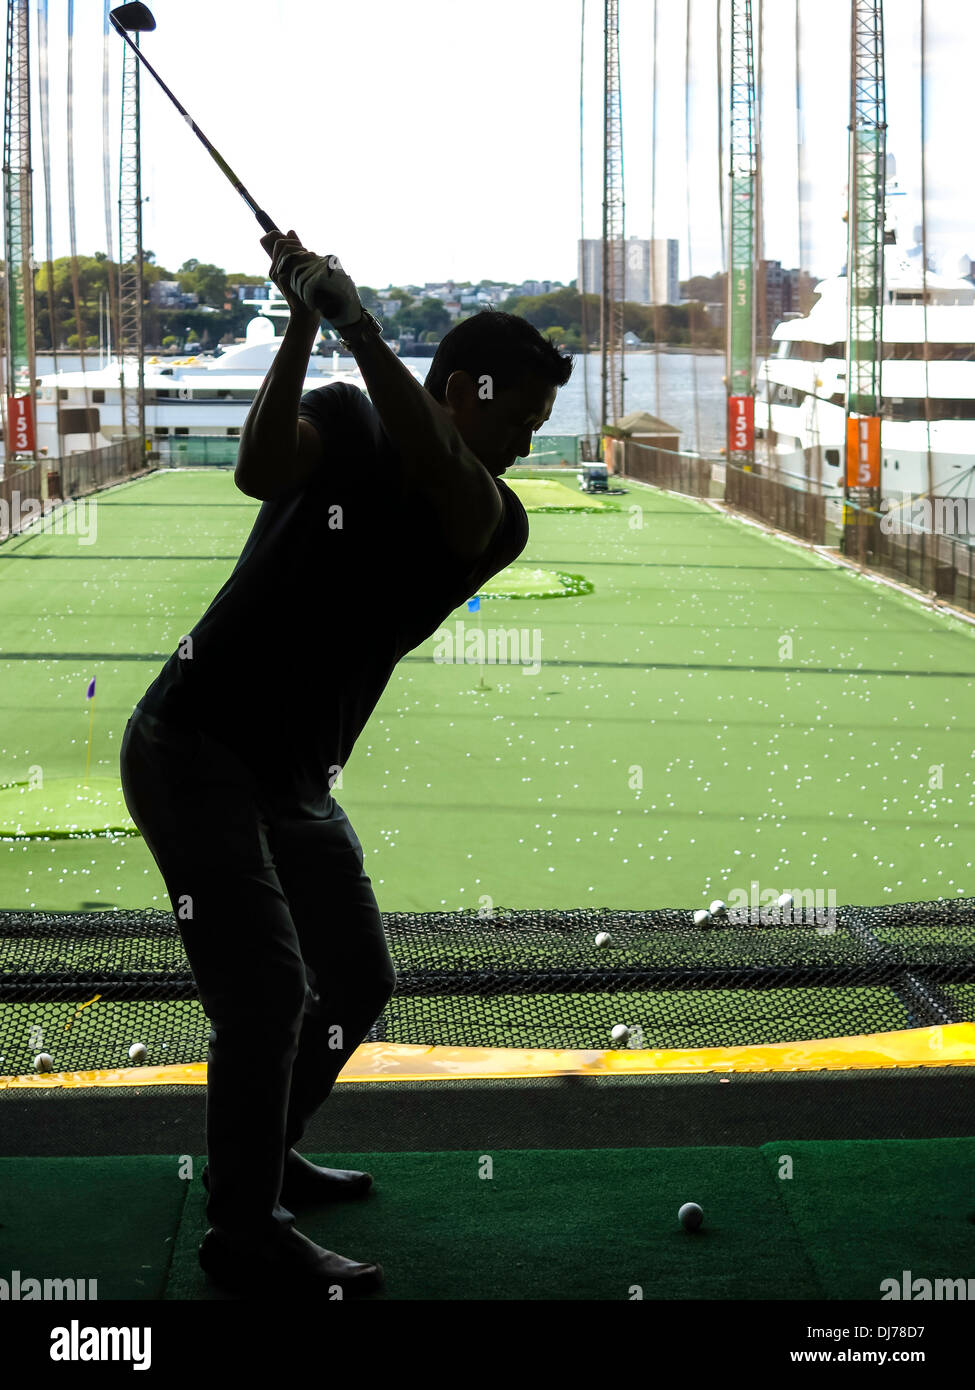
[[620, 1033], [603, 938], [690, 1216], [784, 902], [718, 908], [137, 1052], [43, 1061], [701, 918]]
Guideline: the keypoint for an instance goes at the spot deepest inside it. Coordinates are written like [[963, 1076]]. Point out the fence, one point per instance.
[[555, 449], [802, 514], [217, 450], [938, 562], [77, 474], [687, 473], [18, 488]]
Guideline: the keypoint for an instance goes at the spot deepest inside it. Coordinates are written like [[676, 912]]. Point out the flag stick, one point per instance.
[[91, 724]]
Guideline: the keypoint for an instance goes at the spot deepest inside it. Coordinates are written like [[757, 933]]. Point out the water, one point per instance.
[[681, 376], [675, 404]]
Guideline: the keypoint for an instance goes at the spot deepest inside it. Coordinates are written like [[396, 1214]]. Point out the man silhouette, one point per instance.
[[230, 756]]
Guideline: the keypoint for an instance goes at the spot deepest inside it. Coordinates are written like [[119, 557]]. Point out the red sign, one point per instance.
[[20, 425], [741, 424], [863, 451]]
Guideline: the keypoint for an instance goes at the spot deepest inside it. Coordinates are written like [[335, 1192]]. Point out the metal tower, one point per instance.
[[865, 260], [740, 311], [18, 236], [613, 247], [131, 351]]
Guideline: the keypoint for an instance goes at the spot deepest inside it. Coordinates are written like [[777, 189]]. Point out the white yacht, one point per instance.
[[206, 396], [801, 391]]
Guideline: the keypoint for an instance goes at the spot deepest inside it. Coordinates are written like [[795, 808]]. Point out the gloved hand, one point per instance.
[[310, 283]]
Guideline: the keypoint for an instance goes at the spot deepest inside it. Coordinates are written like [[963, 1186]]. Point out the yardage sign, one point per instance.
[[863, 451], [20, 423], [741, 424]]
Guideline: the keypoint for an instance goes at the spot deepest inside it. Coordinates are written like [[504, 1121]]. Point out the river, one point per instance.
[[681, 376]]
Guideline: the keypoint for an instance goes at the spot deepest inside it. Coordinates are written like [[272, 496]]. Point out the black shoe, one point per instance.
[[285, 1264]]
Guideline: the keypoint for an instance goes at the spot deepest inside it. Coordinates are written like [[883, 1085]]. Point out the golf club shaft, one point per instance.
[[266, 222]]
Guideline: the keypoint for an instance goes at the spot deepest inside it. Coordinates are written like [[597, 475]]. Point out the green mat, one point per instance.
[[537, 1224]]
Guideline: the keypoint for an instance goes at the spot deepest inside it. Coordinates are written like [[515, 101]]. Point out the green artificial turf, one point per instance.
[[721, 708]]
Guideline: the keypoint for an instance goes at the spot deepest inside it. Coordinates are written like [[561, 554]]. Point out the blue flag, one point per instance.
[[474, 604], [91, 689]]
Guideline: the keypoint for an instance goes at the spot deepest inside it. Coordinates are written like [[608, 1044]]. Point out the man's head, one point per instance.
[[497, 377]]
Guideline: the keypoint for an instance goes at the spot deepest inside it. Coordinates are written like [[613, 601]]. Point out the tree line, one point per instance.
[[566, 317]]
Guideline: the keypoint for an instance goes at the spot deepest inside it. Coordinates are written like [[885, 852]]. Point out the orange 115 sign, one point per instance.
[[863, 451], [20, 422]]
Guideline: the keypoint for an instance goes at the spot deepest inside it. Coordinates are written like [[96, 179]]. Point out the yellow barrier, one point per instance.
[[949, 1046]]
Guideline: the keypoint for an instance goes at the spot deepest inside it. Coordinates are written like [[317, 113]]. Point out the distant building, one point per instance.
[[651, 269], [539, 286], [166, 294]]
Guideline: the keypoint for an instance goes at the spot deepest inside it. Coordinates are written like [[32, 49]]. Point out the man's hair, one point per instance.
[[504, 347]]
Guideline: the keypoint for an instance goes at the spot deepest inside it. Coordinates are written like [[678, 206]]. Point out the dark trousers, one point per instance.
[[285, 940]]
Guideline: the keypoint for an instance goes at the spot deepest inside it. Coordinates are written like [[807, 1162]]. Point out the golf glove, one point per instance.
[[323, 286]]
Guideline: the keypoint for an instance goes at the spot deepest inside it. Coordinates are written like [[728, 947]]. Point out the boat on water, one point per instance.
[[928, 405], [196, 398]]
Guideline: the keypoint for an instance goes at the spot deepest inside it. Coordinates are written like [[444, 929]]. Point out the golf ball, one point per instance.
[[718, 908], [701, 918], [690, 1216], [620, 1033], [137, 1052], [43, 1061], [603, 938], [784, 902]]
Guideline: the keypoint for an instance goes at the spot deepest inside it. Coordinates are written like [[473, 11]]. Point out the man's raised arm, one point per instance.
[[437, 461]]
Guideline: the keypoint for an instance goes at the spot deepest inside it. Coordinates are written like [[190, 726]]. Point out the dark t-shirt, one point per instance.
[[340, 576]]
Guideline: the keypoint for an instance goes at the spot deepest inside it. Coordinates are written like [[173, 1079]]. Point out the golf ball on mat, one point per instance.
[[43, 1061], [137, 1052], [603, 938], [718, 908], [784, 902], [620, 1033], [690, 1216], [701, 918]]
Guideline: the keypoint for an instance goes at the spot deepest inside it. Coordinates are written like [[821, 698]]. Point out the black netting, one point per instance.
[[83, 987]]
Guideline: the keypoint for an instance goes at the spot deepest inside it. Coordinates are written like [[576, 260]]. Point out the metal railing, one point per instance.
[[19, 488], [802, 514], [666, 468], [938, 563], [81, 473]]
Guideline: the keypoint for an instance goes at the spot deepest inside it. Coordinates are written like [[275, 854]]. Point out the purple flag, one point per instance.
[[91, 689]]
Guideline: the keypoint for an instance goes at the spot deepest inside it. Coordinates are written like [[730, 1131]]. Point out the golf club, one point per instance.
[[138, 18]]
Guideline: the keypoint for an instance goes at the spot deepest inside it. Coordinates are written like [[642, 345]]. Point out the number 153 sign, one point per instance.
[[20, 425]]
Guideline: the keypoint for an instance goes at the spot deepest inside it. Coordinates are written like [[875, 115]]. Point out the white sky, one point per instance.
[[425, 139]]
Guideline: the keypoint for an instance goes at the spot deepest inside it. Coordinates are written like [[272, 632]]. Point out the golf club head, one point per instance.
[[134, 18]]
